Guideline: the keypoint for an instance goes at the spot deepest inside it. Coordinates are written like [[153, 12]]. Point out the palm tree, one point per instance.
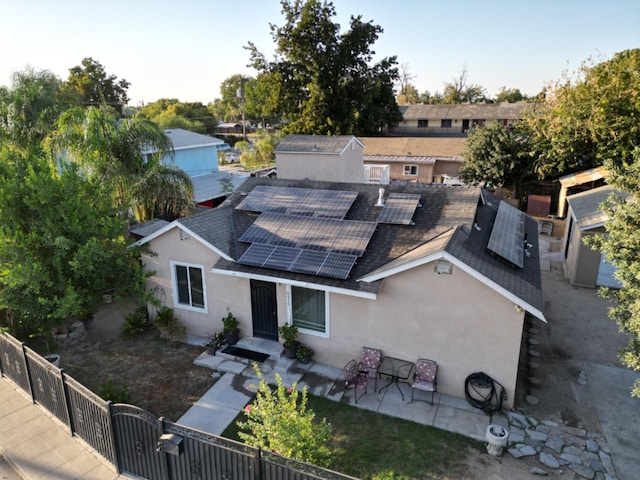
[[114, 150]]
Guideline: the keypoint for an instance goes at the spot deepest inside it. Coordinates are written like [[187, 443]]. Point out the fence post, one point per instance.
[[27, 371], [67, 401], [112, 433], [257, 464]]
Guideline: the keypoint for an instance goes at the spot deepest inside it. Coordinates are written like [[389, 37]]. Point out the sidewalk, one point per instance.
[[39, 447]]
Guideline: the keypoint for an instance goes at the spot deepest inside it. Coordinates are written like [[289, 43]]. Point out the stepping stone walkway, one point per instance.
[[559, 446]]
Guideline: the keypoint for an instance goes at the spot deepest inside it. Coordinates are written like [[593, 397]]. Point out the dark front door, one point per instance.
[[264, 310], [465, 125]]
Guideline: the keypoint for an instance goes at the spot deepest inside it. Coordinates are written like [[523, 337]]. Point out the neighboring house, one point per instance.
[[210, 190], [194, 153], [587, 267], [416, 159], [422, 276], [455, 119]]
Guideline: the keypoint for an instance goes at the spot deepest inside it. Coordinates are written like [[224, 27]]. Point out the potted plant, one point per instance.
[[289, 333], [304, 353], [230, 328], [214, 343]]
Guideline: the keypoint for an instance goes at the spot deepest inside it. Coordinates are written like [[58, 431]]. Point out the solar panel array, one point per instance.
[[299, 201], [399, 208], [348, 237], [299, 260], [507, 235]]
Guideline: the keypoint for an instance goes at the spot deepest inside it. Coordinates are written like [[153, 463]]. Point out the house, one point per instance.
[[194, 153], [417, 270], [455, 119], [416, 159], [588, 267]]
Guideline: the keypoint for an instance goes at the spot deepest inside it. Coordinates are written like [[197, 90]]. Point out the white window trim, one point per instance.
[[174, 289], [404, 170], [327, 323]]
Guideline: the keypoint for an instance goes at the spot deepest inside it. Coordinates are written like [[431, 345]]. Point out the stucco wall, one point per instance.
[[347, 167], [425, 172], [582, 261]]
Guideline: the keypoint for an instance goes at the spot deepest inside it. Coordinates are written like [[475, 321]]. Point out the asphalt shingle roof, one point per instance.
[[470, 111], [586, 206], [445, 222], [314, 143]]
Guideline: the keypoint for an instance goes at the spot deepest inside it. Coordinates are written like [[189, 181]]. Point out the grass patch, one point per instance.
[[370, 445]]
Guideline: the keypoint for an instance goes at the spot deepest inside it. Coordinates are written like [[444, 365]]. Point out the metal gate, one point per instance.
[[137, 434]]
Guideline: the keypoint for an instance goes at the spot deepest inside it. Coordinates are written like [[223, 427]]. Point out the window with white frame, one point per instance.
[[189, 287], [309, 310], [411, 170]]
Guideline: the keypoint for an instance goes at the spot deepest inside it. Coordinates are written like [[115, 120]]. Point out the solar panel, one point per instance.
[[399, 208], [299, 201], [326, 264], [507, 235], [323, 234]]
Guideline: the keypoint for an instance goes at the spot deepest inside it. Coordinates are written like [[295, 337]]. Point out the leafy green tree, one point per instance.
[[428, 99], [261, 152], [61, 247], [327, 85], [91, 85], [112, 150], [460, 91], [171, 113], [279, 421], [497, 155], [510, 95], [30, 108], [229, 107], [261, 98]]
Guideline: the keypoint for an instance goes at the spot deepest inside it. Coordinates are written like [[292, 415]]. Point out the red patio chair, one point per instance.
[[354, 380], [424, 377]]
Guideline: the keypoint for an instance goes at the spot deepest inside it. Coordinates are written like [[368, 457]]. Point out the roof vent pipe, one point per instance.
[[380, 202]]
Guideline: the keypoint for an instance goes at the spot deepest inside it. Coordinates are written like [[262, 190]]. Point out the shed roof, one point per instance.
[[183, 139], [316, 144], [585, 206]]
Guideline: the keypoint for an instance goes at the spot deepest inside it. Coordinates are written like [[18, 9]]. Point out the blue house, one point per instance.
[[194, 153]]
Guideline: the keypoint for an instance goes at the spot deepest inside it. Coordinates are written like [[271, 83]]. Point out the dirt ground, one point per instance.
[[578, 330]]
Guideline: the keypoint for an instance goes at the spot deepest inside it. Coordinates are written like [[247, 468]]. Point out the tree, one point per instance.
[[496, 154], [30, 108], [278, 421], [510, 95], [112, 150], [407, 93], [459, 91], [61, 247], [326, 82], [171, 113], [589, 121], [91, 85]]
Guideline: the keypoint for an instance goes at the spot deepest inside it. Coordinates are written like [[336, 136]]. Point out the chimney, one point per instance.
[[380, 202]]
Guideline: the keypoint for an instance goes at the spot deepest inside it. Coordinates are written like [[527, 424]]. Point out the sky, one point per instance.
[[186, 49]]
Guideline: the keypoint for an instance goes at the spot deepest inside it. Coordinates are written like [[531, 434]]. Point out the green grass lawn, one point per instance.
[[370, 445]]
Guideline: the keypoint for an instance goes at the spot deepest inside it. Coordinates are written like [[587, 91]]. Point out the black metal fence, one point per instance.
[[137, 442]]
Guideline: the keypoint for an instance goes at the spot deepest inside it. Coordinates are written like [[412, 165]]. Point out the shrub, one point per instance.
[[113, 392], [278, 421], [230, 322], [136, 323], [289, 334]]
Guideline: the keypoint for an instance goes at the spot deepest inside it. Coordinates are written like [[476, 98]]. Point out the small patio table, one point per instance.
[[396, 369]]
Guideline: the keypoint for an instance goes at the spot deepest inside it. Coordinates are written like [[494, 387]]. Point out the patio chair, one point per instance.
[[424, 377], [354, 380], [370, 362]]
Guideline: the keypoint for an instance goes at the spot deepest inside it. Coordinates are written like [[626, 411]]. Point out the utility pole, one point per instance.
[[240, 95]]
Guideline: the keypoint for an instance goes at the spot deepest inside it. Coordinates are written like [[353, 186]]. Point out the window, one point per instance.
[[309, 310], [445, 123], [477, 122], [411, 170], [423, 123], [189, 287]]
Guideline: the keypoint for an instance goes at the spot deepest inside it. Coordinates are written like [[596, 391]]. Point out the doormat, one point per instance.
[[244, 353]]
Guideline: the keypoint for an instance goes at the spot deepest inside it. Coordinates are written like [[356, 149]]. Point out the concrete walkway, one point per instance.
[[37, 446]]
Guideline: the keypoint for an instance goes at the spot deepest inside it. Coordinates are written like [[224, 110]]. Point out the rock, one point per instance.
[[516, 436], [536, 382], [534, 365], [549, 460], [572, 450], [550, 423], [567, 457], [592, 446], [603, 446], [531, 400], [555, 443], [576, 432], [534, 353], [605, 458], [528, 451], [532, 421], [533, 331], [533, 341], [515, 452], [537, 436], [538, 471], [518, 419], [582, 381], [582, 470], [596, 466]]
